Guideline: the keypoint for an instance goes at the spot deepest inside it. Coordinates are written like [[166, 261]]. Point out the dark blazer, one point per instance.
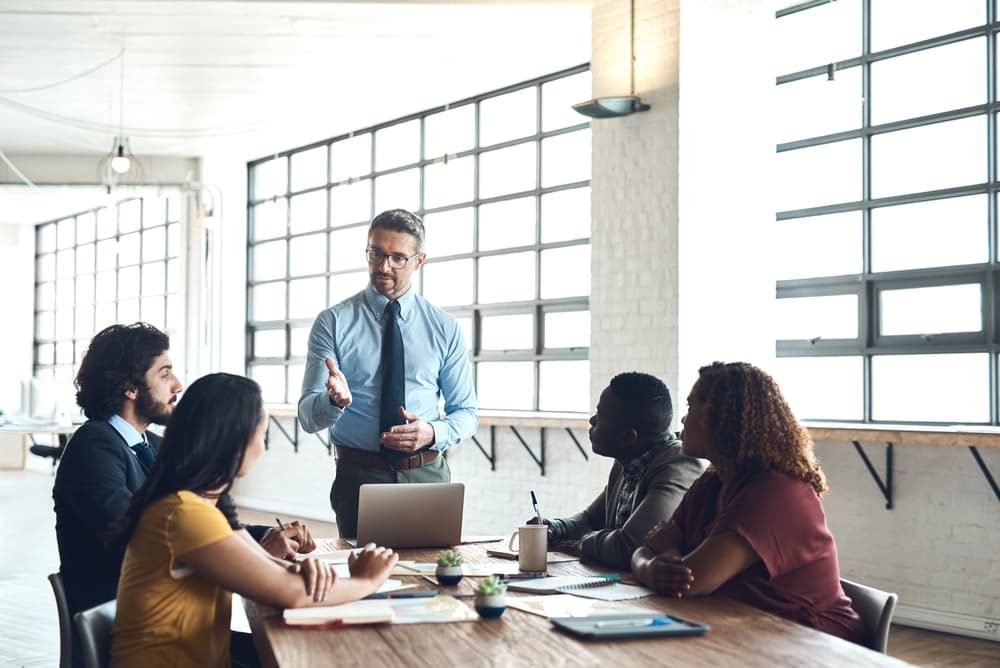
[[95, 482]]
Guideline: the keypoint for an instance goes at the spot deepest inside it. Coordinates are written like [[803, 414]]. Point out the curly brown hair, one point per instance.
[[753, 427]]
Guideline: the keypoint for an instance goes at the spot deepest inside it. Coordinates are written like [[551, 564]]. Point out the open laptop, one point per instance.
[[411, 514]]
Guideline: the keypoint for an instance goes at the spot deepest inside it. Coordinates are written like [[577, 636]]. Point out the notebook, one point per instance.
[[563, 584], [610, 627], [382, 611], [411, 514], [567, 605]]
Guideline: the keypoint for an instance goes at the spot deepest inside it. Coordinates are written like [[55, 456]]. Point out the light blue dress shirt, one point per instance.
[[127, 431], [436, 363]]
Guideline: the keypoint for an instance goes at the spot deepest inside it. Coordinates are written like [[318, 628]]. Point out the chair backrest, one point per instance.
[[875, 608], [65, 622], [95, 626]]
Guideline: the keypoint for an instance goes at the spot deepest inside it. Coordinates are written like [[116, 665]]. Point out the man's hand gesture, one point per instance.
[[336, 386]]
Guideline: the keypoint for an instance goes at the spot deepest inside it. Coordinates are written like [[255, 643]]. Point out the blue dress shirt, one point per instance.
[[436, 363], [127, 431]]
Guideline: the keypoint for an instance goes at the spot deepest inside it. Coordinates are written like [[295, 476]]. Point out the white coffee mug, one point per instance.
[[532, 546]]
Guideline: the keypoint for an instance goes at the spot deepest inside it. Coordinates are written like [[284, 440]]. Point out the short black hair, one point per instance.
[[647, 402], [117, 359], [400, 220]]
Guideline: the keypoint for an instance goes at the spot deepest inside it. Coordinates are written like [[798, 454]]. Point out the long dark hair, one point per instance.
[[204, 444], [116, 360]]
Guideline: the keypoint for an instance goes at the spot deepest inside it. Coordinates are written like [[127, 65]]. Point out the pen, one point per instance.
[[632, 623], [534, 504], [281, 526], [526, 575], [423, 593]]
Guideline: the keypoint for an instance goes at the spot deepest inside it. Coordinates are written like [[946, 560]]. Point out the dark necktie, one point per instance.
[[145, 455], [393, 380]]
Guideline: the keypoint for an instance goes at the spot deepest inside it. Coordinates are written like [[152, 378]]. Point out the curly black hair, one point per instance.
[[116, 360]]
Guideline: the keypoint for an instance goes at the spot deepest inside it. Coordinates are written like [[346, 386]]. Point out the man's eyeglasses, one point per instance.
[[396, 260]]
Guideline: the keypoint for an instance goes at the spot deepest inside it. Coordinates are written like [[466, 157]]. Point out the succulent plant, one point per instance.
[[491, 586], [450, 558]]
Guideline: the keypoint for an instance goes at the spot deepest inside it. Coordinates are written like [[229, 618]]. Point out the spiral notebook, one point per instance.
[[602, 587]]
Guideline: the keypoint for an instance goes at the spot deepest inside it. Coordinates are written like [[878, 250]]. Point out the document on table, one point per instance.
[[568, 605], [503, 552], [397, 611], [413, 568]]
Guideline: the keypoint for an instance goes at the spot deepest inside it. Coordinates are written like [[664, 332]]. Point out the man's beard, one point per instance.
[[150, 410]]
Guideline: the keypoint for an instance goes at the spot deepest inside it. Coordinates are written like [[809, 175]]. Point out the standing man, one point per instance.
[[647, 481], [377, 365], [125, 383]]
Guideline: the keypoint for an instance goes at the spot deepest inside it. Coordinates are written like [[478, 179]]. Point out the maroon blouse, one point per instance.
[[782, 519]]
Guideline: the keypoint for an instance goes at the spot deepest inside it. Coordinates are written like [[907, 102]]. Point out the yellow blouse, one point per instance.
[[167, 615]]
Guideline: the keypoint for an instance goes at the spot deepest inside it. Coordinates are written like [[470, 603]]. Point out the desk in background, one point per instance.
[[15, 439], [739, 636]]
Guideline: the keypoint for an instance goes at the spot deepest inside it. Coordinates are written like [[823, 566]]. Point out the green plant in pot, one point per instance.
[[491, 598], [449, 567]]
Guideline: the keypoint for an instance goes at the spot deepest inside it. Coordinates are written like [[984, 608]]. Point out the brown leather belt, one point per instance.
[[377, 461]]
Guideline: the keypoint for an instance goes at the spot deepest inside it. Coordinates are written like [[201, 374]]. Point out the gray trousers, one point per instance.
[[350, 477]]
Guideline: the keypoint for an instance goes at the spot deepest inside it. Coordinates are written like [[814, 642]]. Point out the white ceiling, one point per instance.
[[266, 76]]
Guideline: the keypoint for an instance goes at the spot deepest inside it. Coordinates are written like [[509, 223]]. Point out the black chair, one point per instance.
[[95, 626], [65, 623], [53, 451]]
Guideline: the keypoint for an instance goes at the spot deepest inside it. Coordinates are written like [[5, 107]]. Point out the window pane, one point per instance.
[[508, 332], [85, 228], [351, 157], [838, 234], [299, 343], [45, 296], [959, 393], [46, 267], [347, 248], [817, 36], [270, 219], [295, 373], [128, 282], [448, 232], [107, 286], [508, 116], [912, 236], [449, 183], [566, 215], [398, 191], [64, 352], [567, 329], [272, 381], [506, 385], [343, 286], [929, 81], [154, 244], [819, 175], [104, 315], [45, 325], [268, 302], [128, 249], [507, 224], [308, 212], [269, 261], [173, 240], [833, 317], [448, 283], [154, 278], [307, 297], [152, 310], [154, 212], [558, 98], [175, 279], [564, 386], [107, 254], [450, 132], [128, 310], [951, 308], [66, 233], [65, 263], [64, 293], [85, 259], [822, 388], [351, 203], [46, 238], [84, 320], [309, 168], [308, 255], [896, 22], [465, 324], [129, 216], [566, 158], [931, 157], [817, 106], [566, 272], [507, 278], [107, 223], [397, 145], [270, 178], [508, 170]]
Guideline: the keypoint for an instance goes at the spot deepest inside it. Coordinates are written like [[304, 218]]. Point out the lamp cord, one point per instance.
[[121, 100], [631, 47]]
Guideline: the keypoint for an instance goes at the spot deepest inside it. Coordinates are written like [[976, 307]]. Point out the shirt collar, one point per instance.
[[377, 302], [635, 468], [127, 431]]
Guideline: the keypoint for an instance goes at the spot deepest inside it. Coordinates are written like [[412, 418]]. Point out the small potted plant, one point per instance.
[[490, 600], [449, 567]]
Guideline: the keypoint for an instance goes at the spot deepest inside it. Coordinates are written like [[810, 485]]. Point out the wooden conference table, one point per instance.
[[739, 636]]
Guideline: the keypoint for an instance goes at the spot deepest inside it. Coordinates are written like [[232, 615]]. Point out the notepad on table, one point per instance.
[[550, 557], [347, 614], [564, 584], [567, 605]]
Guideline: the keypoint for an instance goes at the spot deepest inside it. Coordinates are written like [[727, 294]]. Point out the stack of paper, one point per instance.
[[379, 611]]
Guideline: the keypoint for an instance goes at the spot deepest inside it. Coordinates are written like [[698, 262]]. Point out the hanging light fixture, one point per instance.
[[617, 105], [121, 160], [120, 165]]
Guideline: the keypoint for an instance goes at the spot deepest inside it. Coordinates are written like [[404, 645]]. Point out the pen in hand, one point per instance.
[[281, 526], [534, 504]]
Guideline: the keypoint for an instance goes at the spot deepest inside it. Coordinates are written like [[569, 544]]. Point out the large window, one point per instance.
[[116, 264], [502, 182], [889, 286]]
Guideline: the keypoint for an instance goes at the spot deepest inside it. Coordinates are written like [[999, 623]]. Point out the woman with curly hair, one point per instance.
[[752, 528]]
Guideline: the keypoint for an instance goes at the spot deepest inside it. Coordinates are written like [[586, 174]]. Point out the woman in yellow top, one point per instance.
[[185, 555]]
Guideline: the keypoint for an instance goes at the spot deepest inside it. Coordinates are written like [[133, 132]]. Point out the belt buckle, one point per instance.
[[407, 463]]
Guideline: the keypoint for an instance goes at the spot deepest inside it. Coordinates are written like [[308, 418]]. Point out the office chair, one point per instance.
[[95, 626], [65, 623], [53, 451], [875, 608]]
